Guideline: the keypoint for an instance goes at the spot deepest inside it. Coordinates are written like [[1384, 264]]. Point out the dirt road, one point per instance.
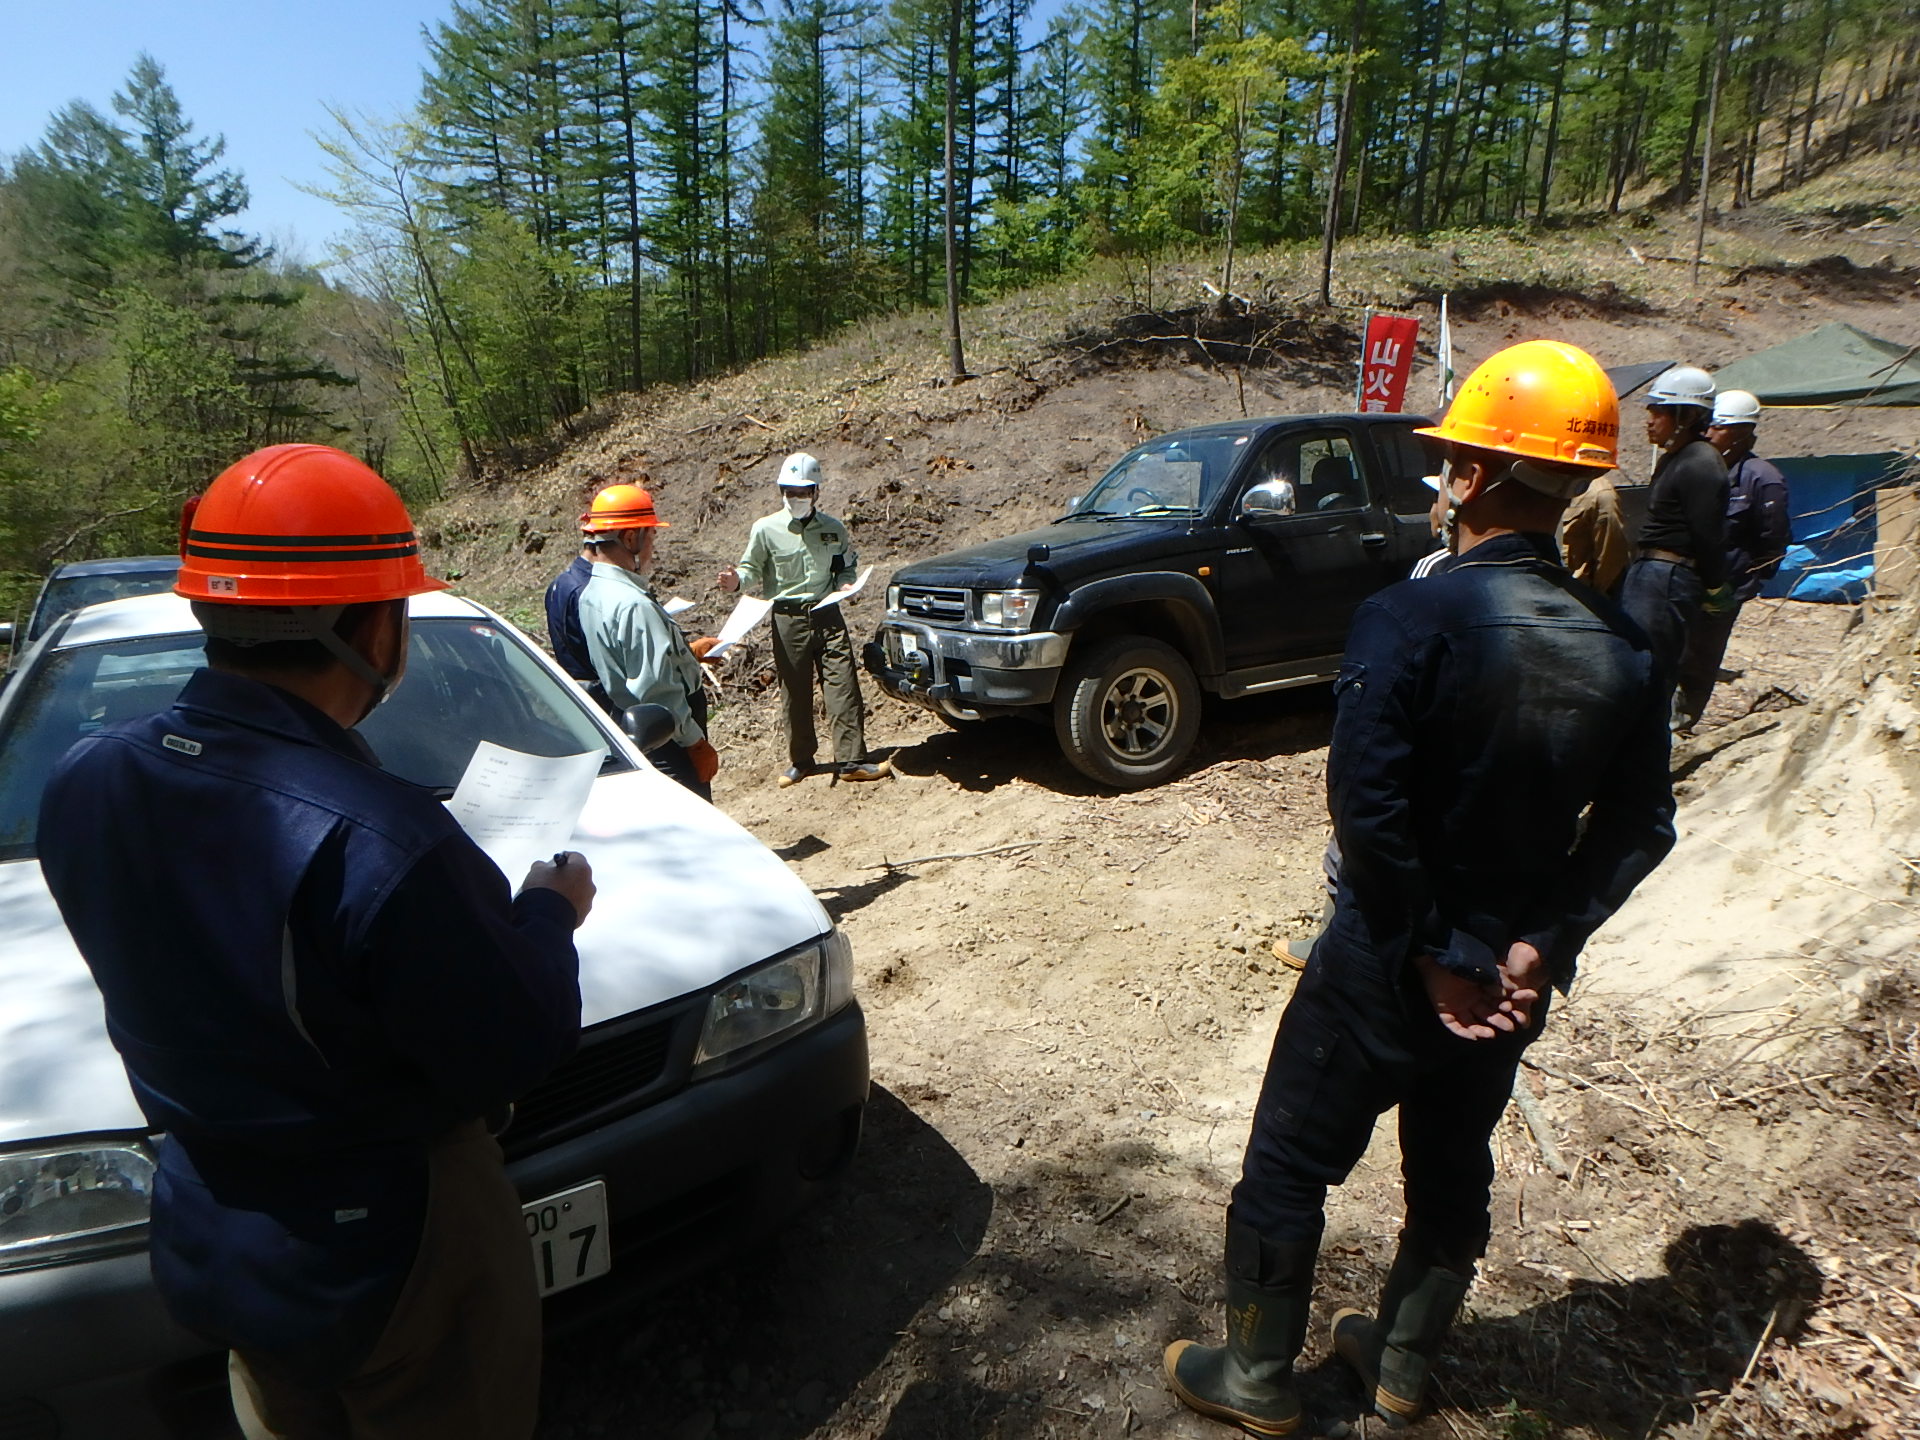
[[1067, 1037]]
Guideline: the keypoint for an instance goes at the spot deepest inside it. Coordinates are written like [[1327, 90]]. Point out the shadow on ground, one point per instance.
[[1619, 1359], [770, 1346], [982, 755]]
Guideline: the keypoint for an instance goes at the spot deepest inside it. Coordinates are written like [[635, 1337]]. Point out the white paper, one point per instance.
[[677, 606], [846, 592], [748, 612], [521, 808]]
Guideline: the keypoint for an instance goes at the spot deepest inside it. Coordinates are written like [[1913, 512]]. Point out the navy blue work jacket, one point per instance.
[[1480, 713], [564, 635], [311, 973]]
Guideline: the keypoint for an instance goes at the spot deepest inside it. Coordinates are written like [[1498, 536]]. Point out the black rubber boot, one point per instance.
[[1249, 1381], [1394, 1354]]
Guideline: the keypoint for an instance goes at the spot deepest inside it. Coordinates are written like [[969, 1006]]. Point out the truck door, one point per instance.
[[1291, 581]]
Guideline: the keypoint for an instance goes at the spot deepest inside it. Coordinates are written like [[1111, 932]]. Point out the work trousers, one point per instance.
[[1662, 598], [1700, 657], [810, 642], [672, 760], [1354, 1042], [459, 1358]]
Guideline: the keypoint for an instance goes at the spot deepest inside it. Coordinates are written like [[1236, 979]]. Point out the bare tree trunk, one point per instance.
[[1330, 230], [1706, 153], [955, 356]]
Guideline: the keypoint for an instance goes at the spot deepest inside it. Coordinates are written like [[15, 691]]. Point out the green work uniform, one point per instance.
[[640, 655], [794, 563]]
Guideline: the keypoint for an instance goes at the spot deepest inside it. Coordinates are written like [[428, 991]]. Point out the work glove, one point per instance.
[[706, 760], [701, 646], [1720, 600]]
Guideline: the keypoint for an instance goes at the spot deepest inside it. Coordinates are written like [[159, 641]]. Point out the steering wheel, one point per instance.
[[1141, 492]]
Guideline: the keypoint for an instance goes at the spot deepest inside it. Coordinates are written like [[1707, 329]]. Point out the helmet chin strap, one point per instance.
[[352, 658]]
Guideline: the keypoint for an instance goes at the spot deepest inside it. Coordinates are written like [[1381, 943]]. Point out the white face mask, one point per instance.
[[798, 506]]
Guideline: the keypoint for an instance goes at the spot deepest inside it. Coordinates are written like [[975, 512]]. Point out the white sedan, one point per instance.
[[719, 1083]]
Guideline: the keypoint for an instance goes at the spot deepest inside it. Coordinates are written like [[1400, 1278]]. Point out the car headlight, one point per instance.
[[775, 1001], [65, 1202], [893, 599], [1008, 609]]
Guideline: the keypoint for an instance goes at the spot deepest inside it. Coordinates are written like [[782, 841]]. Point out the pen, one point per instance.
[[560, 860]]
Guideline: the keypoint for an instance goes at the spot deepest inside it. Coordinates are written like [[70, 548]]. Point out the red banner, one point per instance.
[[1386, 359]]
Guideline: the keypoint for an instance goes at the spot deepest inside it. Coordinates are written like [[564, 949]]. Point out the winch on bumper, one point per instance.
[[965, 673]]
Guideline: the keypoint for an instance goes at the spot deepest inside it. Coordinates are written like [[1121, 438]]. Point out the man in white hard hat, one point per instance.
[[1758, 533], [1682, 562], [796, 557]]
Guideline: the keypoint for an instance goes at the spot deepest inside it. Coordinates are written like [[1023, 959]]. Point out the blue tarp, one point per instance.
[[1831, 499]]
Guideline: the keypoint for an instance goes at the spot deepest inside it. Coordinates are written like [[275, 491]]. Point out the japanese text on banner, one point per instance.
[[1386, 359]]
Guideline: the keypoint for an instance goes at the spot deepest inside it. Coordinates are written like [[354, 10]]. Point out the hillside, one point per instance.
[[1067, 1036]]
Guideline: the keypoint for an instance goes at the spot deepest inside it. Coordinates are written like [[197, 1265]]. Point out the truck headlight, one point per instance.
[[65, 1202], [1008, 609], [893, 599], [775, 1001]]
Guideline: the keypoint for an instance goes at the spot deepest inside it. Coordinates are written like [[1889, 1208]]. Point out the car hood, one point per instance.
[[686, 898], [1074, 546]]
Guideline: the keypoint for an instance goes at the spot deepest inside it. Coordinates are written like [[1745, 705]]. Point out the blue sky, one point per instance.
[[261, 72]]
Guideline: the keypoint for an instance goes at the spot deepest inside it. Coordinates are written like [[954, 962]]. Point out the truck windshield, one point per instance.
[[467, 681], [1177, 475]]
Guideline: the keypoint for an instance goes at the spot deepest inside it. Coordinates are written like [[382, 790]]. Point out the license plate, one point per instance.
[[905, 647], [568, 1232]]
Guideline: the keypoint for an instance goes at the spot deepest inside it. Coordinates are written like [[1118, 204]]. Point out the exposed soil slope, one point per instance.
[[1068, 1033]]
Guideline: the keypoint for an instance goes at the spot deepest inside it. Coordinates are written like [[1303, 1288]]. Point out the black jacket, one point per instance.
[[1687, 509]]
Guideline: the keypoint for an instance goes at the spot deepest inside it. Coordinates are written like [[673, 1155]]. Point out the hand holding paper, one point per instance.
[[748, 612], [521, 808], [845, 592]]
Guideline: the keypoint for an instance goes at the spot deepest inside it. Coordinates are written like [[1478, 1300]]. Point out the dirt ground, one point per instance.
[[1068, 1032], [1067, 1038]]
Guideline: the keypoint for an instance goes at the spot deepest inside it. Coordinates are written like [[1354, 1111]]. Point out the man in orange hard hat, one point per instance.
[[1481, 712], [318, 983], [639, 654]]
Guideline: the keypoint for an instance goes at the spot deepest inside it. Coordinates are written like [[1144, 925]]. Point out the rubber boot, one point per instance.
[[1249, 1380], [1394, 1354]]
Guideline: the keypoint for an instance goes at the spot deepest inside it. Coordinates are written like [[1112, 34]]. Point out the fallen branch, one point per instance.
[[892, 865], [1541, 1127]]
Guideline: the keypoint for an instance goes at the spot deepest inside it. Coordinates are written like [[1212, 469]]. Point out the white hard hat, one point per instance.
[[1682, 385], [1736, 407], [799, 471]]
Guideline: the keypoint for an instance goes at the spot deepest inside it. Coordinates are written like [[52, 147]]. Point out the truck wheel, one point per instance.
[[1127, 712]]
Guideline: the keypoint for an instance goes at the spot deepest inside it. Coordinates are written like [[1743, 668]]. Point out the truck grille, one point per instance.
[[926, 603], [606, 1075]]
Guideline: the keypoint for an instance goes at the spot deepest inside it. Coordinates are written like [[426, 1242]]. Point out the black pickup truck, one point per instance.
[[1226, 558]]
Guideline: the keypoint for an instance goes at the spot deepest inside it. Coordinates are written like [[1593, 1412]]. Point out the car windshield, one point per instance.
[[65, 594], [1177, 475], [467, 681]]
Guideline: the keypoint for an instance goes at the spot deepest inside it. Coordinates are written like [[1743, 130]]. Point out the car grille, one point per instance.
[[609, 1072], [926, 603]]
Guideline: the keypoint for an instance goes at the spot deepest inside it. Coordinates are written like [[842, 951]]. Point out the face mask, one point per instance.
[[798, 506]]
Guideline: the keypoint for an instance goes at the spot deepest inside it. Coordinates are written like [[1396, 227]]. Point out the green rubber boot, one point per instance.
[[1394, 1354], [1249, 1380]]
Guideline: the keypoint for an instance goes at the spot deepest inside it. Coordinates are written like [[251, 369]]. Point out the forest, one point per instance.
[[598, 196]]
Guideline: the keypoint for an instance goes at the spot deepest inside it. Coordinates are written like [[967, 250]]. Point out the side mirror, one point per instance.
[[648, 726], [1073, 502], [1269, 497]]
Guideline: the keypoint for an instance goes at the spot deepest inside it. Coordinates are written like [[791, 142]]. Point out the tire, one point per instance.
[[1127, 712]]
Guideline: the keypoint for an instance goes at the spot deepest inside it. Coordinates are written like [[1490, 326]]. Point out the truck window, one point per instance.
[[1322, 469], [1405, 458]]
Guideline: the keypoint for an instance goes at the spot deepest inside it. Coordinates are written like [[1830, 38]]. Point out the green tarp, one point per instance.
[[1835, 365]]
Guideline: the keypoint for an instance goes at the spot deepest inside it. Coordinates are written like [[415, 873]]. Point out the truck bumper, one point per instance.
[[963, 673]]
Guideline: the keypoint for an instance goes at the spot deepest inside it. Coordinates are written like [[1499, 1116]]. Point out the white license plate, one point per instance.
[[906, 647], [569, 1236]]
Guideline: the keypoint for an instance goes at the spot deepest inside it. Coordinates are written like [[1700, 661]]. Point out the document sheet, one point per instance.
[[520, 808]]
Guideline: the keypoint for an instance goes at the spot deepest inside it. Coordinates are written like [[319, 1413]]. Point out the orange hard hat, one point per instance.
[[299, 525], [622, 507], [1539, 400]]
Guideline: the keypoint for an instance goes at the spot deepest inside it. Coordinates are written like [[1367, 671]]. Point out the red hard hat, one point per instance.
[[299, 525], [621, 507]]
